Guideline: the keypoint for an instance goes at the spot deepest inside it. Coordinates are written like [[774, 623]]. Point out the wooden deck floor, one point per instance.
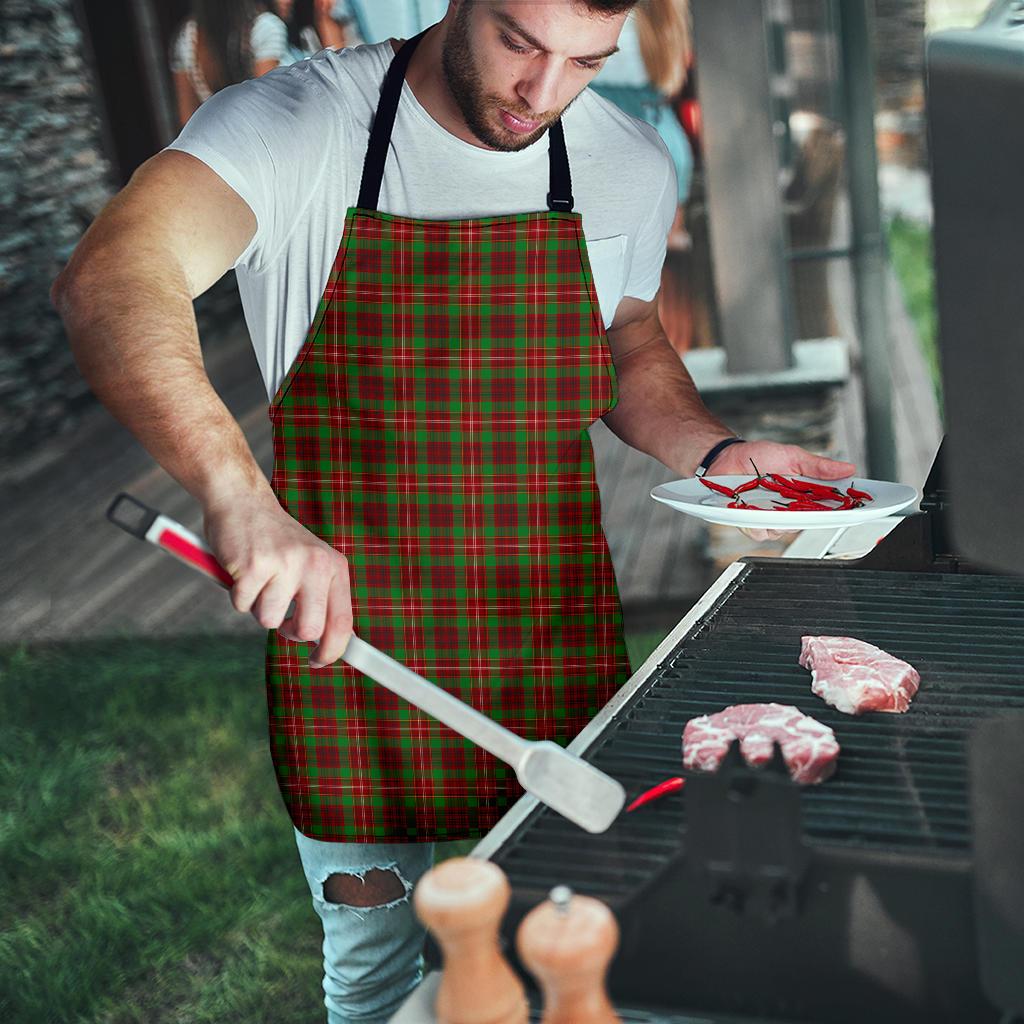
[[69, 573]]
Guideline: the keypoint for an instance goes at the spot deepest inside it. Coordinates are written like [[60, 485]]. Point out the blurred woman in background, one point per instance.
[[648, 73], [221, 43], [313, 25], [645, 78]]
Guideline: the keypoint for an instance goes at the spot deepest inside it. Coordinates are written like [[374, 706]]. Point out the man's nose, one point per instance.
[[539, 89]]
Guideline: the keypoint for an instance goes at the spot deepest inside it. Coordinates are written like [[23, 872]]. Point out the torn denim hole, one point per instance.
[[361, 873]]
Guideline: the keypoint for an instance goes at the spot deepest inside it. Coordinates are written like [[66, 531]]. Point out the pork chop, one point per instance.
[[854, 676], [808, 747]]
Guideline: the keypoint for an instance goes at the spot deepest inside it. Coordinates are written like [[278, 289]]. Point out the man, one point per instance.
[[429, 306]]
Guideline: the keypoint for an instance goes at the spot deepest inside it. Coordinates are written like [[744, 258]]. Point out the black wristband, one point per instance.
[[705, 463]]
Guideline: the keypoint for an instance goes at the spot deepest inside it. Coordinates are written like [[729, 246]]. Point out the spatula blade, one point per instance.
[[571, 786]]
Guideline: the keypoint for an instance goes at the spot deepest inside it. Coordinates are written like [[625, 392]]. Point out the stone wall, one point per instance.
[[53, 180]]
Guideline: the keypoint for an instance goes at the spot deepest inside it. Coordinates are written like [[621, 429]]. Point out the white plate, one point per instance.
[[693, 498]]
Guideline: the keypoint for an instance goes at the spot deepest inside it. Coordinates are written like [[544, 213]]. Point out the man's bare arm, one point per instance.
[[660, 412], [126, 301]]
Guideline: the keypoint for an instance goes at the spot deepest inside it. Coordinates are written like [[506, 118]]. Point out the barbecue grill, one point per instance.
[[895, 890], [747, 897]]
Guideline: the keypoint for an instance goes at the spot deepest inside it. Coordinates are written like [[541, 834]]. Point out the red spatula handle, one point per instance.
[[147, 524]]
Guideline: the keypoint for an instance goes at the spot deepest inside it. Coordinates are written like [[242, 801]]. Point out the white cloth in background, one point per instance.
[[268, 41]]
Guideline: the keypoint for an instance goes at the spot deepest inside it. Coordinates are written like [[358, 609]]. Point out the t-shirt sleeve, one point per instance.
[[269, 139], [269, 37], [652, 238]]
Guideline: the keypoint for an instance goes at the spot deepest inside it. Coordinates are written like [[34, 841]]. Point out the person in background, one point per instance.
[[648, 73], [221, 43], [312, 26], [644, 78]]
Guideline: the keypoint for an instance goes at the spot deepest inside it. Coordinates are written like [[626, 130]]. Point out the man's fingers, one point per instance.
[[270, 606], [338, 625], [248, 587], [818, 468]]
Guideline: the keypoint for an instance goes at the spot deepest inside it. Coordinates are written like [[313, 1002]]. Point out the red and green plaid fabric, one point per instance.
[[433, 430]]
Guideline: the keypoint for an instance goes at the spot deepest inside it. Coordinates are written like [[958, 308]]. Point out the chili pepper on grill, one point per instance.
[[668, 786]]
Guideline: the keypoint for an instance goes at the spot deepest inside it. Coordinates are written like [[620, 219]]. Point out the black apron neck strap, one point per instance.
[[559, 187], [383, 122]]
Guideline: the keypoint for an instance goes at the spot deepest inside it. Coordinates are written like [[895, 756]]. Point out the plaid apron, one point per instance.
[[433, 430]]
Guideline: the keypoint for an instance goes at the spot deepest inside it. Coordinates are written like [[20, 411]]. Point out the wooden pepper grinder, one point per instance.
[[462, 901], [567, 943]]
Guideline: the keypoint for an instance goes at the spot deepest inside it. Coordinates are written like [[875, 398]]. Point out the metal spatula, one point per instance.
[[564, 782]]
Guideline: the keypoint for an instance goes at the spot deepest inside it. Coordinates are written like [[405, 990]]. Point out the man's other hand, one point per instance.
[[771, 457]]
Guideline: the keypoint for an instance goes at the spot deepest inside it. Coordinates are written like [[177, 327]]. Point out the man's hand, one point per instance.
[[274, 559], [771, 457]]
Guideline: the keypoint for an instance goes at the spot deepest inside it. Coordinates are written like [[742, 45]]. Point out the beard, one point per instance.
[[478, 107]]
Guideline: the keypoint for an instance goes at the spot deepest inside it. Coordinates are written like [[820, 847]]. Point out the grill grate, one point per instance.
[[901, 784]]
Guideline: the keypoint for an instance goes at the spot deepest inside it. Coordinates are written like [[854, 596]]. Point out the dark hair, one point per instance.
[[301, 17], [226, 26]]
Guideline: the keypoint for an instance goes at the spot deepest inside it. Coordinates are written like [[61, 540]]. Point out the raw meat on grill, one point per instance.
[[808, 747], [855, 677]]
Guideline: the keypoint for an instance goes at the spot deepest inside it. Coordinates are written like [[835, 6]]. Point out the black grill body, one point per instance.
[[847, 901]]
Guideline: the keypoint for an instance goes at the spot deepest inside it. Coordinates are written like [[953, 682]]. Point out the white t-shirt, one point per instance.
[[292, 143]]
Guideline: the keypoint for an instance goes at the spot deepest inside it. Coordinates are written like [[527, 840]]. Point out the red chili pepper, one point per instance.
[[809, 487], [807, 506], [862, 495], [717, 487], [668, 786], [750, 485], [786, 492]]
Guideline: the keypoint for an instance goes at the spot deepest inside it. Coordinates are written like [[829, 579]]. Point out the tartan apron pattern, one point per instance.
[[433, 429]]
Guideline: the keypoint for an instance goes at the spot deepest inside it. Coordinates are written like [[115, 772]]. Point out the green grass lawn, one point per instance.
[[910, 248], [148, 868]]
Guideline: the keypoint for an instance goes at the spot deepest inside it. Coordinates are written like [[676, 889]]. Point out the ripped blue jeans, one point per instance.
[[373, 956]]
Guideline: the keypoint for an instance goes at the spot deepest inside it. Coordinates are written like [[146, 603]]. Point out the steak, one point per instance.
[[808, 747], [855, 677]]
